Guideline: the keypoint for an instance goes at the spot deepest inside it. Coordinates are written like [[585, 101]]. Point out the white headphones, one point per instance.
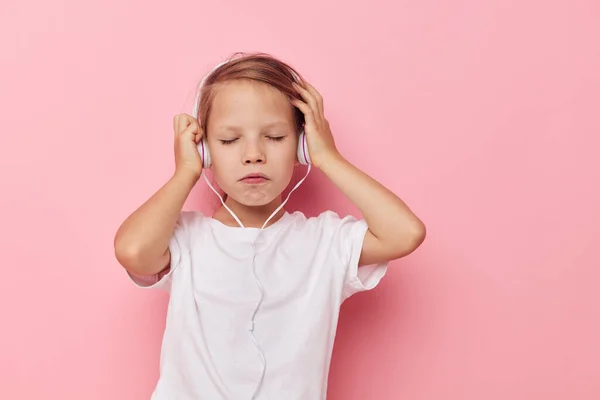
[[302, 149]]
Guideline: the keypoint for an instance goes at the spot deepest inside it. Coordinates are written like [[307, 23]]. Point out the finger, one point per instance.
[[196, 126], [310, 100], [190, 132], [308, 112], [200, 133], [307, 96], [188, 117], [176, 125], [191, 120], [183, 123], [317, 97]]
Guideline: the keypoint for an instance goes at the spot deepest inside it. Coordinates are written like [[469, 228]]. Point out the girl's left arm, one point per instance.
[[394, 230]]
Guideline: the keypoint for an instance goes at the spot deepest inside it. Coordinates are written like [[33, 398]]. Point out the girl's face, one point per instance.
[[252, 140]]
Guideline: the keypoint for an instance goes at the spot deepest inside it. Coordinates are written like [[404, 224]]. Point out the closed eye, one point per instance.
[[227, 141], [273, 138]]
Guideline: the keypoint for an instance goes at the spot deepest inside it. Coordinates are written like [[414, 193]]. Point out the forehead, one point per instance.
[[243, 99]]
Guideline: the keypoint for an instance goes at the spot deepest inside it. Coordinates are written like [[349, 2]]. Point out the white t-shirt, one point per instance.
[[307, 268]]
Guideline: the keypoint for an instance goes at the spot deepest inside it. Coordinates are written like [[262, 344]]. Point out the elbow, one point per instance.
[[411, 240], [419, 234], [128, 256], [139, 262]]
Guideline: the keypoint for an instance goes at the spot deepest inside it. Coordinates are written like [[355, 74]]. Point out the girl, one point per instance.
[[255, 291]]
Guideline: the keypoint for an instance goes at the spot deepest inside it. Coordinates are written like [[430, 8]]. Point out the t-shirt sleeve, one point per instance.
[[349, 236], [179, 244]]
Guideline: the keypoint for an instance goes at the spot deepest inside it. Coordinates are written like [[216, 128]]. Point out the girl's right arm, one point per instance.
[[142, 241]]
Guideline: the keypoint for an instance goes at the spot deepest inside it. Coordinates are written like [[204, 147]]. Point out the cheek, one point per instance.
[[288, 155], [223, 176], [221, 158], [285, 163], [221, 171], [286, 173]]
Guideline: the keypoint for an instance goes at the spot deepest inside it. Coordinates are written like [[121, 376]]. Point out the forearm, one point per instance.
[[389, 219], [142, 241]]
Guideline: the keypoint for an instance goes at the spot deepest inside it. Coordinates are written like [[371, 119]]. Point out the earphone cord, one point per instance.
[[260, 287]]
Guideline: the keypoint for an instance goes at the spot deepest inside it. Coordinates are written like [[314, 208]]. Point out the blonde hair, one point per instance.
[[257, 67]]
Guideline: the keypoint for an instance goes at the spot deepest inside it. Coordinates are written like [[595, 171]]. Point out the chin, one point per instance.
[[255, 198], [256, 201]]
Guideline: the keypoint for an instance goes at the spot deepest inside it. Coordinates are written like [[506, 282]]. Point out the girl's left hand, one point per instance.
[[321, 145]]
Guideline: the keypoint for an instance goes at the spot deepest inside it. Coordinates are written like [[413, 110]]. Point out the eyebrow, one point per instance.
[[239, 128]]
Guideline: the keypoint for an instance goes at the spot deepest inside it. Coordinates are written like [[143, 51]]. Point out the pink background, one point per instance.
[[483, 116]]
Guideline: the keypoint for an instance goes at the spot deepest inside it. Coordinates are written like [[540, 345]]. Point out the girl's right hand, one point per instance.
[[187, 136]]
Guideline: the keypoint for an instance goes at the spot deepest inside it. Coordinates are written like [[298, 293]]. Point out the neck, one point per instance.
[[251, 216]]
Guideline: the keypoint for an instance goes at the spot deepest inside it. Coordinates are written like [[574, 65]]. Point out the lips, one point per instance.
[[254, 178]]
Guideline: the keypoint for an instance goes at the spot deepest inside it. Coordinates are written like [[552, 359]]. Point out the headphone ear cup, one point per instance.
[[204, 153], [302, 153]]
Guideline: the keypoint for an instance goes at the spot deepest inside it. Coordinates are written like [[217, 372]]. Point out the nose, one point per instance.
[[253, 153]]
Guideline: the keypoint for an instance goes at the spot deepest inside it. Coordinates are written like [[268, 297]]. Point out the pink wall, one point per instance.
[[483, 116]]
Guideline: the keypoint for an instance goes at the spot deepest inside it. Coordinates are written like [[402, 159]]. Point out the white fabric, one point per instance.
[[307, 268]]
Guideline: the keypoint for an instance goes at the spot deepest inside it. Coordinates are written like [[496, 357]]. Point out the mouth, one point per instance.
[[254, 179]]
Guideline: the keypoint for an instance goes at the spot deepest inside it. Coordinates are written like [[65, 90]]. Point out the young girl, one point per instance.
[[255, 291]]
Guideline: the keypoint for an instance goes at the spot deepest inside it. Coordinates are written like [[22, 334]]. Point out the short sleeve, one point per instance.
[[349, 237], [179, 244]]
